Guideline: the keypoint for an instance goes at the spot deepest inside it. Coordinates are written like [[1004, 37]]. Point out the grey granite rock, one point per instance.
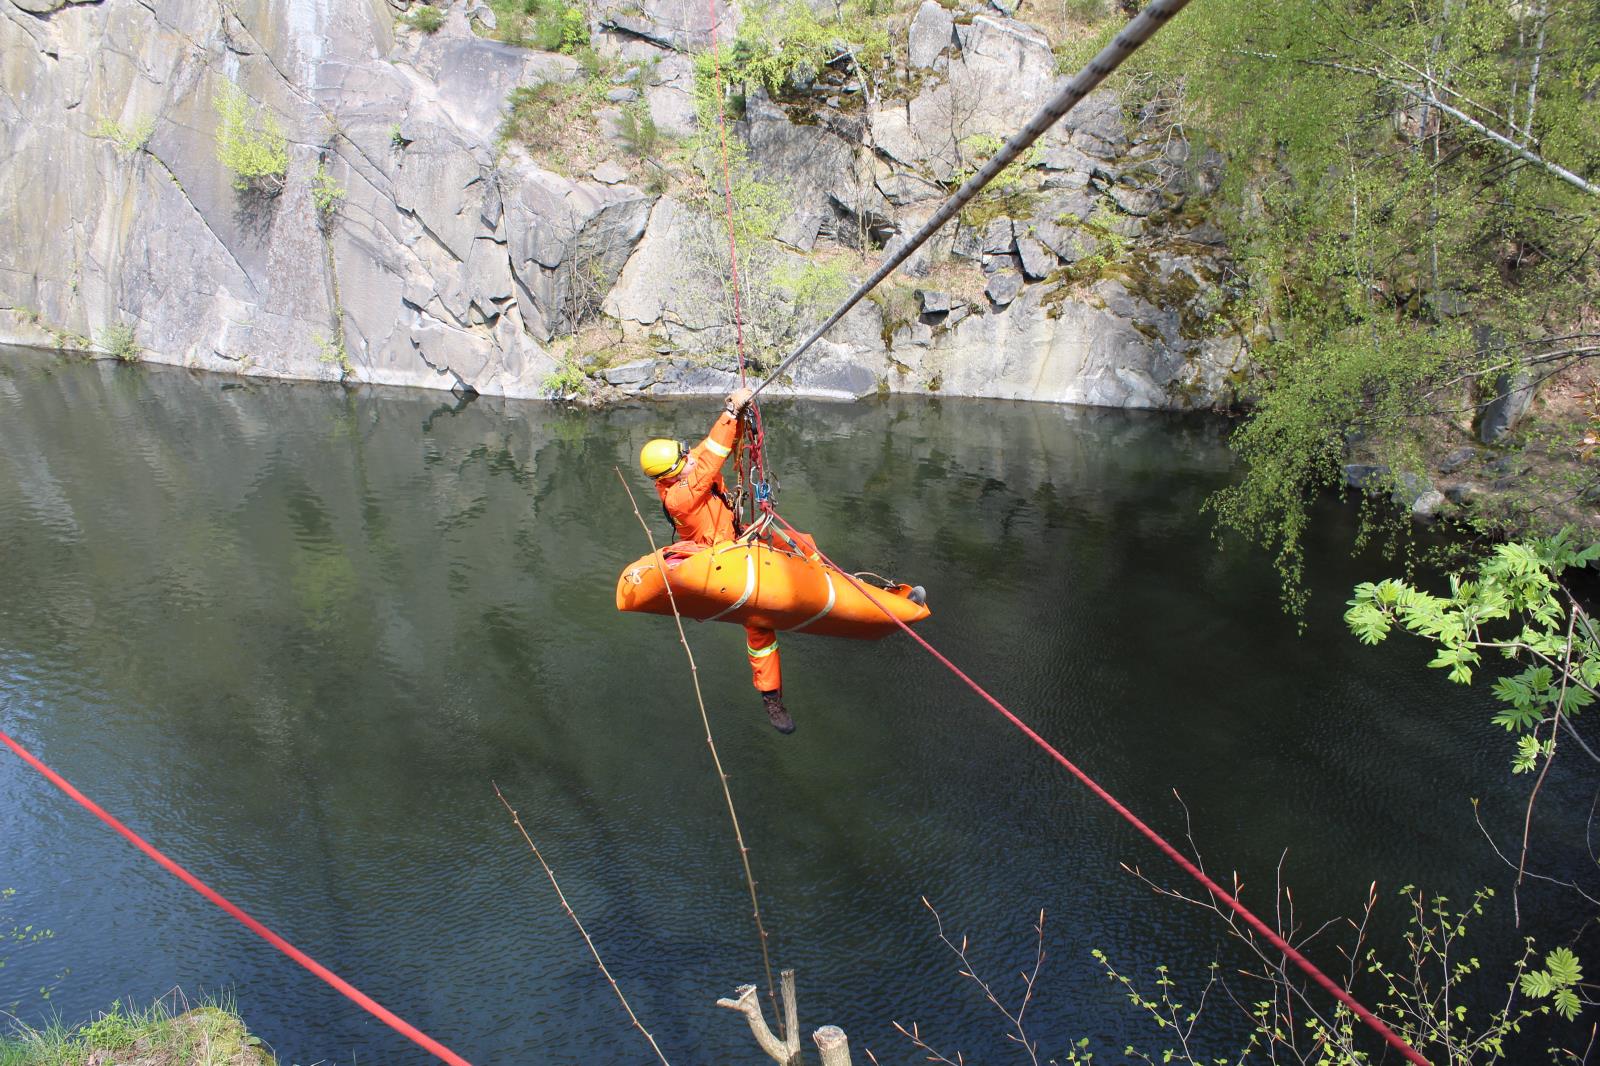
[[823, 172], [1409, 488], [679, 25], [999, 237], [901, 188], [1457, 459], [1368, 477], [633, 373], [452, 263], [1427, 506], [1003, 287], [1136, 201], [932, 31], [800, 229], [1511, 396], [1037, 260]]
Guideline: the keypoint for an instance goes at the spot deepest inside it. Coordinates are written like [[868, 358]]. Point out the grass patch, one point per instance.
[[332, 352], [424, 18], [128, 139], [119, 341], [784, 41], [639, 133], [898, 306], [548, 25], [1073, 25], [556, 121], [962, 279], [568, 379], [326, 193], [170, 1032], [1111, 252], [1009, 195]]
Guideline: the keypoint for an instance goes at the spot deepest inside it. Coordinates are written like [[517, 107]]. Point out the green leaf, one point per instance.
[[1563, 966], [1528, 752], [1518, 718], [1537, 983]]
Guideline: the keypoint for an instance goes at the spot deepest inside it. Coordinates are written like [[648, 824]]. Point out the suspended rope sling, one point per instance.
[[1135, 34], [751, 454]]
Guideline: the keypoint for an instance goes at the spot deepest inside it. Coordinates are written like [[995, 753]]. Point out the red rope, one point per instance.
[[756, 444], [1155, 838], [367, 1003], [727, 187]]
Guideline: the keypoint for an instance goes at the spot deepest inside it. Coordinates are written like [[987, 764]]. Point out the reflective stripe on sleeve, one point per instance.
[[761, 653], [716, 449]]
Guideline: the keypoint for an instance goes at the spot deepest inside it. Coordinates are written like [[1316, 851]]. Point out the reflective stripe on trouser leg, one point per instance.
[[766, 673]]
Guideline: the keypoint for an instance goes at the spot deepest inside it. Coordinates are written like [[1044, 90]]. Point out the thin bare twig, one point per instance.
[[1428, 98], [551, 874], [970, 972], [1544, 771], [1273, 965], [1478, 817], [722, 777], [914, 1035]]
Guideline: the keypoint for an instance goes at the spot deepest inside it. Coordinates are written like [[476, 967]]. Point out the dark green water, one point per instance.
[[293, 633]]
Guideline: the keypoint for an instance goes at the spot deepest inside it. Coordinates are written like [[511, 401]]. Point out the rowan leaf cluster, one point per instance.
[[1515, 606], [1558, 981]]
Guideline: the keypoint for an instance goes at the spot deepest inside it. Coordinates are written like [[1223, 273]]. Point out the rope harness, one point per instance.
[[749, 462]]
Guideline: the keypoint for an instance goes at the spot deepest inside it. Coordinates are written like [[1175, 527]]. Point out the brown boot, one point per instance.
[[773, 701]]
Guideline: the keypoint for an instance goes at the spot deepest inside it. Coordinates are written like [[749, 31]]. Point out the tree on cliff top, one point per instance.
[[1414, 194]]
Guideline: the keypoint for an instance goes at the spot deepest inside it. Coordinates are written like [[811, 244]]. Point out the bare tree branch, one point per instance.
[[1426, 97]]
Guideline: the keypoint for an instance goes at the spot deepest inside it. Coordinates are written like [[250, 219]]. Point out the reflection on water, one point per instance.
[[293, 633]]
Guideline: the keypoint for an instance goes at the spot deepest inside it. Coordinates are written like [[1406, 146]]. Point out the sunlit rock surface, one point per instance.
[[456, 261]]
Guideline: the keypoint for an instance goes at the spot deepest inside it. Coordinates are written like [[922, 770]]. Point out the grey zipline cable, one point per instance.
[[1082, 84]]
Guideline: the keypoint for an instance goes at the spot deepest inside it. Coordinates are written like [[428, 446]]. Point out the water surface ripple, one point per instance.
[[292, 633]]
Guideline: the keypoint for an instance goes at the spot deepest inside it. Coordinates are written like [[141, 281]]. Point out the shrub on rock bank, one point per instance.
[[171, 1032]]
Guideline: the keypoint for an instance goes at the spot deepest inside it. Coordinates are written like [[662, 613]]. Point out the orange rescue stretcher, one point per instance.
[[765, 578]]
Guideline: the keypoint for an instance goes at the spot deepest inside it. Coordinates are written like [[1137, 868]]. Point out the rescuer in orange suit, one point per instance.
[[689, 482]]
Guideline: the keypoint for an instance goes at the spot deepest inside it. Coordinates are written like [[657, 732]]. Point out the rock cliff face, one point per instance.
[[454, 261]]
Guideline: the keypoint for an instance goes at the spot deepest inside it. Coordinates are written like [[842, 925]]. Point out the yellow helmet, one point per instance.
[[662, 457]]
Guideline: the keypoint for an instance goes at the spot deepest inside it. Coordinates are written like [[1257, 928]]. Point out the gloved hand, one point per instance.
[[738, 400]]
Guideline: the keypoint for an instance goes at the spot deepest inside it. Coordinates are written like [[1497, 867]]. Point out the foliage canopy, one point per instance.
[[1399, 258]]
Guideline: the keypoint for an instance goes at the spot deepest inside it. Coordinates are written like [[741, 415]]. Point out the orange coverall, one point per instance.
[[695, 501]]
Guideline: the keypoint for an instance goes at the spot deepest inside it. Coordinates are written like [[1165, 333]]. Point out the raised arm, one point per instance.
[[707, 457]]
